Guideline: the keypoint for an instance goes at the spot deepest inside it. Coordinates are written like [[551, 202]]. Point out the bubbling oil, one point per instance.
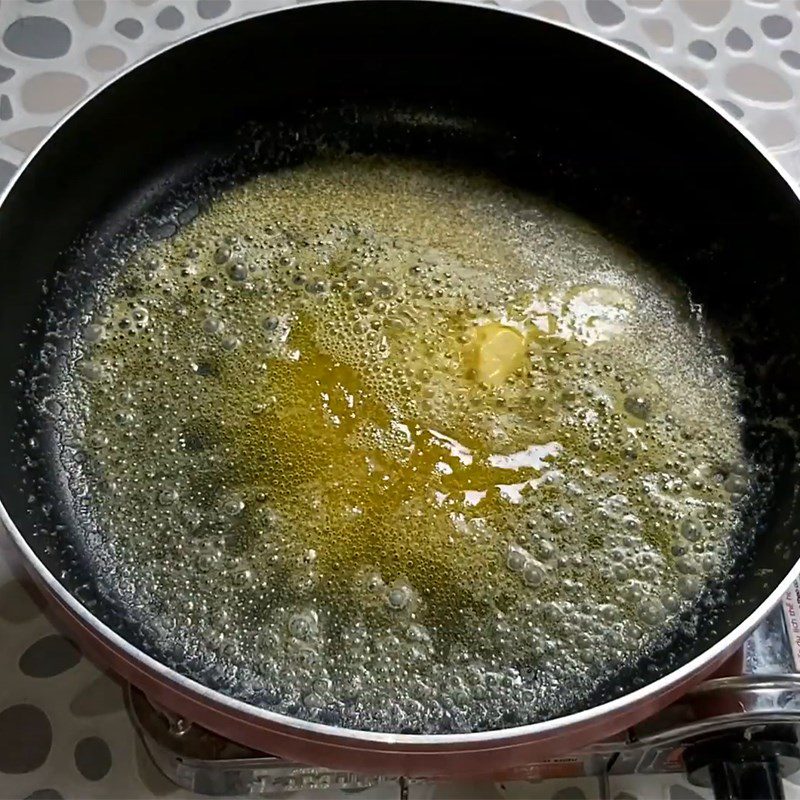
[[392, 446]]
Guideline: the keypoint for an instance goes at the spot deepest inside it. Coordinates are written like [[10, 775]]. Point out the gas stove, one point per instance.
[[736, 733]]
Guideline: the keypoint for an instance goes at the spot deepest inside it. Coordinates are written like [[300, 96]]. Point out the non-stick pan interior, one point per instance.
[[546, 109]]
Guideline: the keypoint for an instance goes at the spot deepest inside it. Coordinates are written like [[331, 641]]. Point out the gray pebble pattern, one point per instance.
[[92, 758], [38, 37], [27, 736]]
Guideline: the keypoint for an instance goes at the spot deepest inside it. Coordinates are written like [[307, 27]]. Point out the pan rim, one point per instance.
[[499, 737]]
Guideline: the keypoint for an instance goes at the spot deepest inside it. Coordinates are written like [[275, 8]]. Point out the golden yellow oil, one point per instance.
[[373, 429]]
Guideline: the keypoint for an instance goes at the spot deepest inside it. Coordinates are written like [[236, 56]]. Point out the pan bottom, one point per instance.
[[374, 429]]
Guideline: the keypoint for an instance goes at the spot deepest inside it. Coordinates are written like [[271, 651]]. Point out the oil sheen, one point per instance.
[[395, 447]]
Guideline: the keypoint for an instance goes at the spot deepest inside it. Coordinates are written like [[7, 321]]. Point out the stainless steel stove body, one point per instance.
[[752, 706]]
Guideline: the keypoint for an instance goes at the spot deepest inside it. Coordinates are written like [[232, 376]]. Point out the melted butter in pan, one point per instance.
[[389, 444]]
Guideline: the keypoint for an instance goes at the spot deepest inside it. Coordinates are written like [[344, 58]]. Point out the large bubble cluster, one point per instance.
[[389, 446]]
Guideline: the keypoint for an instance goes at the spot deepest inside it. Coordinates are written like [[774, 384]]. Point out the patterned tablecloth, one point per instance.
[[63, 728]]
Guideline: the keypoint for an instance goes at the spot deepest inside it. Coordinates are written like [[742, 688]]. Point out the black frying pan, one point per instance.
[[548, 110]]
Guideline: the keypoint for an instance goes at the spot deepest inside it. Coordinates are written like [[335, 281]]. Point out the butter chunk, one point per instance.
[[498, 351]]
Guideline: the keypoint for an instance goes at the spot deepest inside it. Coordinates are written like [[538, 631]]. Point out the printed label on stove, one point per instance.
[[791, 613]]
